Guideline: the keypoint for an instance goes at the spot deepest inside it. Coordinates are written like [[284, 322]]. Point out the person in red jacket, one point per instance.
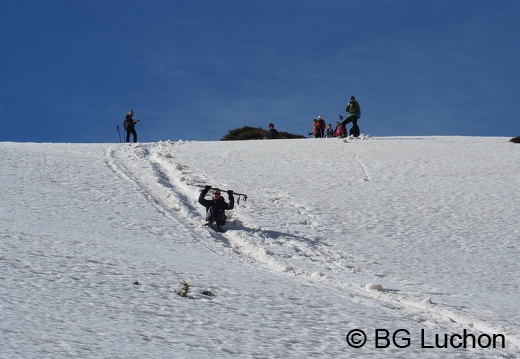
[[338, 132], [318, 127]]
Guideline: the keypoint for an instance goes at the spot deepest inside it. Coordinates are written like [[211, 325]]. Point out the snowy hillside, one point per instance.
[[413, 236]]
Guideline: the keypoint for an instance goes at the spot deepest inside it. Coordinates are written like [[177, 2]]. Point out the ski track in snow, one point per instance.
[[169, 182], [287, 250]]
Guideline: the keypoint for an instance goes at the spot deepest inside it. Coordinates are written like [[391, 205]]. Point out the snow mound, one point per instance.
[[372, 286]]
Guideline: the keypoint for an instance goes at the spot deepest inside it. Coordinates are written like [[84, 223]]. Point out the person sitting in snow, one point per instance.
[[216, 206], [330, 132], [338, 132]]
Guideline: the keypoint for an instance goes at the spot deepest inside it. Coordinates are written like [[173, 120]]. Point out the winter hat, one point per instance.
[[131, 112]]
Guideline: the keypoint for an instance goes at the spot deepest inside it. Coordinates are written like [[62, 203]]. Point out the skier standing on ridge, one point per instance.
[[354, 113], [129, 125], [216, 207]]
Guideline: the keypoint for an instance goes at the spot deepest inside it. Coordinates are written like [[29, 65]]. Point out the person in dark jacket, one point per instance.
[[129, 125], [330, 131], [272, 134], [216, 206]]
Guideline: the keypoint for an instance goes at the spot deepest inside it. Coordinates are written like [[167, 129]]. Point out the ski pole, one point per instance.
[[240, 195], [119, 133]]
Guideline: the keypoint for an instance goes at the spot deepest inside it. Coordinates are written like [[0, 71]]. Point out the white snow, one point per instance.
[[417, 234]]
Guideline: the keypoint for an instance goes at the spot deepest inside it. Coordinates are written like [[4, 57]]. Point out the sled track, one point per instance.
[[242, 244], [121, 169], [164, 185]]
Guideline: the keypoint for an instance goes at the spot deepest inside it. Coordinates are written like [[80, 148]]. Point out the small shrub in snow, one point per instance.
[[209, 293], [185, 290], [515, 139]]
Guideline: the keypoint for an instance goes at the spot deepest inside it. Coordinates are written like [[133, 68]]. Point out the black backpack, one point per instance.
[[127, 122]]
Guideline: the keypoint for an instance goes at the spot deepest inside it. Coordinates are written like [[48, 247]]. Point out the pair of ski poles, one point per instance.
[[119, 132], [240, 195]]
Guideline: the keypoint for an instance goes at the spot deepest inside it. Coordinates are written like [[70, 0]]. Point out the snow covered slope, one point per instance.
[[414, 235]]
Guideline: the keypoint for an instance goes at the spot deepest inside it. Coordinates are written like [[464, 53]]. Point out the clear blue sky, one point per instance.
[[193, 70]]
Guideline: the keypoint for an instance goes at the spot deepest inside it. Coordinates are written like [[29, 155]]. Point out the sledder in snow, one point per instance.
[[216, 206]]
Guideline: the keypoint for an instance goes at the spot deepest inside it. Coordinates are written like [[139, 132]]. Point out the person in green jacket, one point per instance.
[[354, 113]]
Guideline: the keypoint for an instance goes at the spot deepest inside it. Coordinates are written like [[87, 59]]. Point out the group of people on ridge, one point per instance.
[[320, 129]]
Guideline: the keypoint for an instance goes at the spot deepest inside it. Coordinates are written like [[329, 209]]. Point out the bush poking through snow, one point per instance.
[[515, 140], [254, 133], [185, 290], [208, 293]]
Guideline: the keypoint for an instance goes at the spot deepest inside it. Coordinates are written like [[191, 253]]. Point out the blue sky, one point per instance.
[[193, 70]]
